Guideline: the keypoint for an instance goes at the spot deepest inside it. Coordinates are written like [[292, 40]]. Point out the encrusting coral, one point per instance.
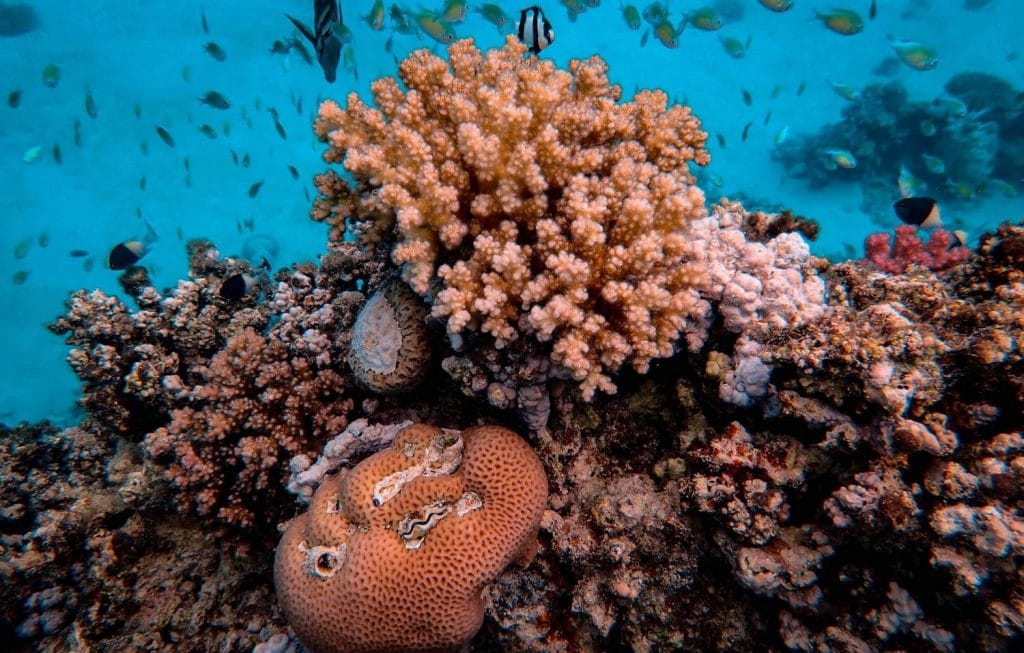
[[394, 553], [545, 206]]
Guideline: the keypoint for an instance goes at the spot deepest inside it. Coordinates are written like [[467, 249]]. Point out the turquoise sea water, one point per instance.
[[143, 64]]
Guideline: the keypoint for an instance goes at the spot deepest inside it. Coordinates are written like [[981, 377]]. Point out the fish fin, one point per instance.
[[299, 25]]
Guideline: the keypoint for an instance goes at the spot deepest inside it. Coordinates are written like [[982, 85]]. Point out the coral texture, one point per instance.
[[393, 554], [938, 254], [545, 206], [390, 348]]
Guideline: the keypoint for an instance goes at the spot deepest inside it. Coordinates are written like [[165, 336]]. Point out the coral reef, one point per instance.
[[937, 254], [394, 552]]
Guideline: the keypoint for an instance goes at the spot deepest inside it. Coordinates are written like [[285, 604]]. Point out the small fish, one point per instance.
[[31, 155], [216, 100], [781, 135], [631, 15], [375, 19], [435, 28], [19, 277], [348, 62], [493, 14], [186, 74], [748, 99], [400, 22], [78, 133], [21, 249], [801, 88], [206, 26], [188, 165], [164, 135], [908, 184], [58, 156], [705, 18], [767, 118], [293, 171], [667, 34], [254, 190], [934, 164], [326, 14], [918, 211], [574, 9], [734, 47], [137, 110], [280, 47], [454, 11], [215, 51], [226, 129], [180, 233], [951, 106], [721, 139], [43, 239], [961, 189], [144, 148], [776, 91], [534, 29], [90, 105], [643, 39], [656, 13], [746, 131], [142, 182], [716, 181], [245, 160], [839, 158], [51, 75], [208, 131], [928, 128], [14, 99], [237, 286], [78, 253], [777, 6], [234, 156], [873, 10], [126, 254], [916, 55], [1007, 189], [845, 91], [842, 21], [88, 263]]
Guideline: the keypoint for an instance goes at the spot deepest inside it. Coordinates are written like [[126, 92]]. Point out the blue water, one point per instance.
[[151, 54]]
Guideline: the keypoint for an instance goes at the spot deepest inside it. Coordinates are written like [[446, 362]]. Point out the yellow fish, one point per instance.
[[667, 34], [736, 48], [778, 6], [435, 28], [916, 55], [840, 159], [375, 19], [454, 11], [705, 18], [842, 21], [845, 91]]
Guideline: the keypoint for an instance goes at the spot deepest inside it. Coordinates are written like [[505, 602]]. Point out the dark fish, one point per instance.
[[767, 117], [20, 277], [234, 156], [21, 249], [237, 286], [273, 112], [138, 111], [164, 135], [280, 130], [187, 164], [298, 106], [721, 139], [78, 133], [180, 233], [746, 131], [215, 51], [748, 99], [57, 156], [14, 99], [208, 131], [918, 211], [245, 160], [254, 190], [873, 10], [294, 172], [144, 148], [803, 87], [78, 253], [326, 14], [202, 18], [43, 239], [534, 29], [280, 47], [216, 100], [126, 254], [90, 105], [142, 182]]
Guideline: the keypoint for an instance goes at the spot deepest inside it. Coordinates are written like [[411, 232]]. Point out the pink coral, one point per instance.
[[937, 254]]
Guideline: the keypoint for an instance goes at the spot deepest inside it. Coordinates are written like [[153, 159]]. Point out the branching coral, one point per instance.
[[544, 205]]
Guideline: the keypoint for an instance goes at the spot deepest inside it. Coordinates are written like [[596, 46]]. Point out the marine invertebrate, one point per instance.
[[545, 207], [390, 348], [416, 531], [937, 254]]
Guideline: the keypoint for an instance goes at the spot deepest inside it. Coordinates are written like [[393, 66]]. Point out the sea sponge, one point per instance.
[[393, 554], [390, 347]]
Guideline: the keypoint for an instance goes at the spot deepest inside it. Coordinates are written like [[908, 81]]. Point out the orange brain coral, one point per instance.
[[393, 554]]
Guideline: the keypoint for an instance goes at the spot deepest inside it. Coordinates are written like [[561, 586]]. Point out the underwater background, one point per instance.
[[98, 178]]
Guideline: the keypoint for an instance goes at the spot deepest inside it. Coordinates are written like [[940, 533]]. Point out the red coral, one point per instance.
[[937, 254]]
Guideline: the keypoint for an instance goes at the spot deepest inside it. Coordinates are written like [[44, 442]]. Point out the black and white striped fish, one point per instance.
[[326, 14], [534, 29]]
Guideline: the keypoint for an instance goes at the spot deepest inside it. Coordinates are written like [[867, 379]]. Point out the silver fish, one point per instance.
[[326, 14]]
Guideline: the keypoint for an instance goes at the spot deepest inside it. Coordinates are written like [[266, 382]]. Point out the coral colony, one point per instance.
[[532, 342]]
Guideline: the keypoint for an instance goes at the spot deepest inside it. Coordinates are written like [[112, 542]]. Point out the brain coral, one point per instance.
[[543, 204], [394, 553]]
